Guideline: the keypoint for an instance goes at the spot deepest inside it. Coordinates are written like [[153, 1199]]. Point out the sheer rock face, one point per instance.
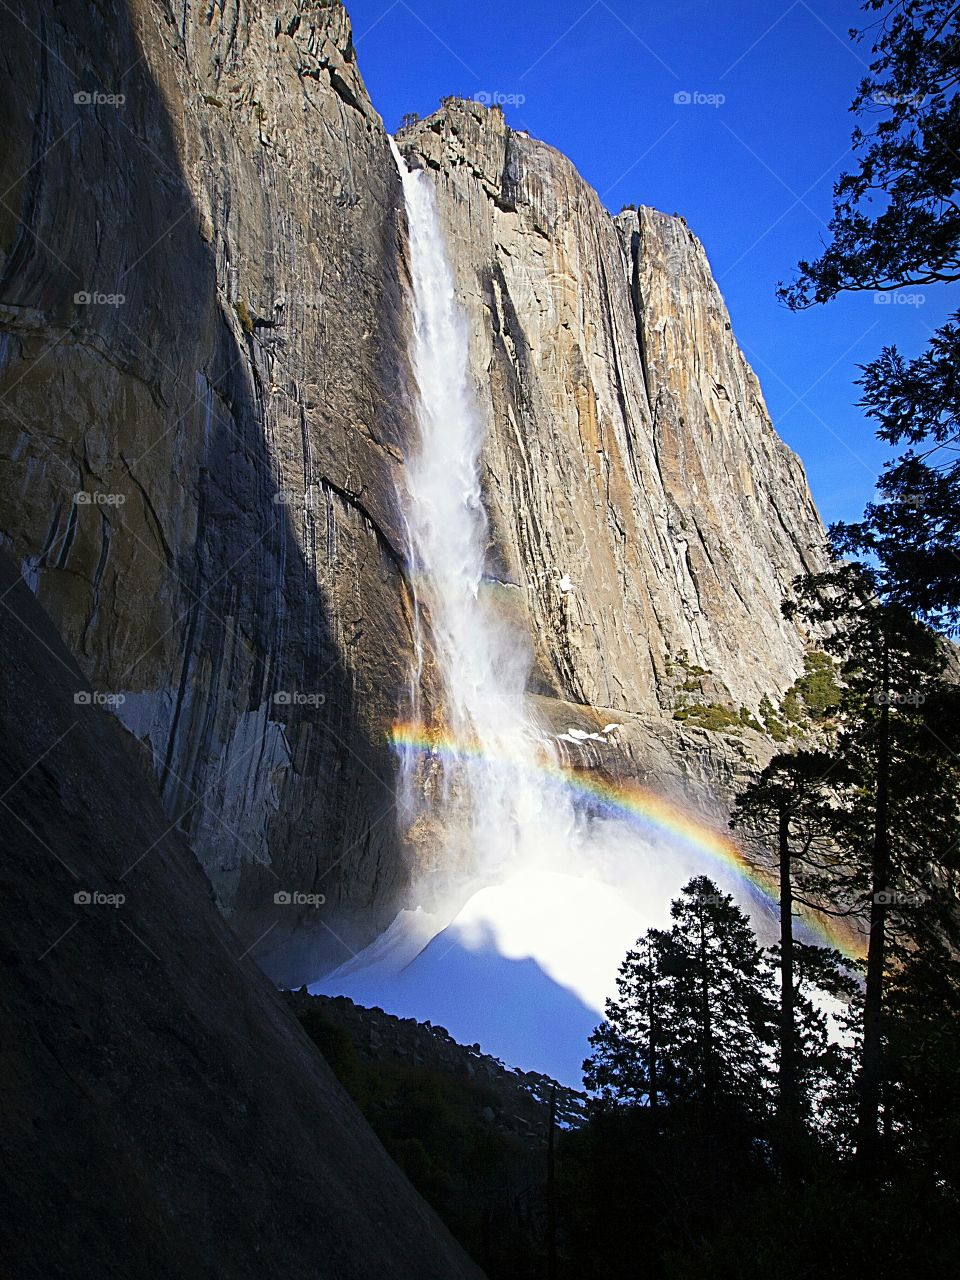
[[237, 422], [238, 426], [643, 506]]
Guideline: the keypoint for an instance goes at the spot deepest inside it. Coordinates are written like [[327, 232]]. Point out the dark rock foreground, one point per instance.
[[164, 1114]]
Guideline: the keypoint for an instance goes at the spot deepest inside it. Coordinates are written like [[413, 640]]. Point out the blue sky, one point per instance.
[[752, 175]]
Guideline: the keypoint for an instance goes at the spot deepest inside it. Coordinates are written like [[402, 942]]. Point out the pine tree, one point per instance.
[[692, 1022], [787, 817], [895, 751], [896, 225], [824, 1062], [922, 1089]]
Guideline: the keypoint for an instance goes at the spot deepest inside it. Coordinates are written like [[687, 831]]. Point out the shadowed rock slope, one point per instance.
[[164, 1114]]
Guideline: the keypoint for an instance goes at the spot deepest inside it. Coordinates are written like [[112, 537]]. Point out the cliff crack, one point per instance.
[[353, 500], [636, 297]]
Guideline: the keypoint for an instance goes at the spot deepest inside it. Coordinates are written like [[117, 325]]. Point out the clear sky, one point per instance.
[[752, 173]]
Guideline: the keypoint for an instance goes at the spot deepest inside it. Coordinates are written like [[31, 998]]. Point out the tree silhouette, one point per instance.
[[693, 1019], [895, 752], [896, 225], [787, 816]]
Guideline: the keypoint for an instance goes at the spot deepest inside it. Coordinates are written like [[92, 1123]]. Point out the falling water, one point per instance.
[[543, 900], [484, 661]]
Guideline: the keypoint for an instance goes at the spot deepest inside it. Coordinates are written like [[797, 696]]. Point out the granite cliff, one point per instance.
[[204, 397], [643, 504], [234, 583]]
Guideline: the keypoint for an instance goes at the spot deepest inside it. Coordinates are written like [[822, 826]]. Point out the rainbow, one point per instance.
[[643, 808]]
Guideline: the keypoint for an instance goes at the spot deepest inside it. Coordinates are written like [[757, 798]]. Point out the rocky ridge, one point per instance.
[[523, 1097]]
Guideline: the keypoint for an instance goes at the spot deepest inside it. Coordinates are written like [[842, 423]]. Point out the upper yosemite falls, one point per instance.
[[521, 585], [444, 752]]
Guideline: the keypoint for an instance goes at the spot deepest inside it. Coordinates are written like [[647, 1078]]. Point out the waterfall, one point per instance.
[[484, 662], [519, 948]]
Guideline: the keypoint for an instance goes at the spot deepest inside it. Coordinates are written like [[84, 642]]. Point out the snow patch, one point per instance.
[[578, 736]]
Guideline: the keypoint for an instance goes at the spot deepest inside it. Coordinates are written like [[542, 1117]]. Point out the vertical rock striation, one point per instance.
[[236, 422]]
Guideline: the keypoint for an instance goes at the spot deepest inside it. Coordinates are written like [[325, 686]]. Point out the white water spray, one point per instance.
[[484, 662]]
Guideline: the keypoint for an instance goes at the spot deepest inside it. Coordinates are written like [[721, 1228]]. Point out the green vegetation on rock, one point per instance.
[[710, 716], [818, 685], [243, 315]]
